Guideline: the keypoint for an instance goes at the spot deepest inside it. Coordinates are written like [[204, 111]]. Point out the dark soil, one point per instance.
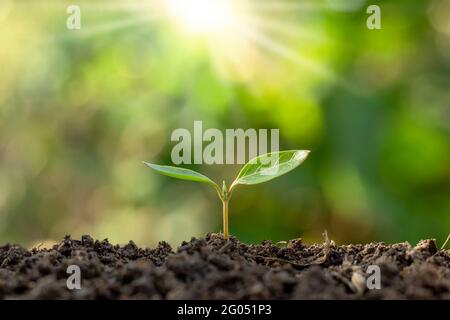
[[213, 268]]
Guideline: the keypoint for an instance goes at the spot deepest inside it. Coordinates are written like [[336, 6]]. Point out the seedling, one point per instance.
[[261, 169]]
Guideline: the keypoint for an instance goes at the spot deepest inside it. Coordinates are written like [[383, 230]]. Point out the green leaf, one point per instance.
[[181, 173], [270, 166]]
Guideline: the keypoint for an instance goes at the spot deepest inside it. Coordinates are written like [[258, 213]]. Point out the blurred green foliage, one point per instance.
[[80, 110]]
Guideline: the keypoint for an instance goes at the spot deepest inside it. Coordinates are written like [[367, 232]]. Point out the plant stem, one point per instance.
[[225, 218]]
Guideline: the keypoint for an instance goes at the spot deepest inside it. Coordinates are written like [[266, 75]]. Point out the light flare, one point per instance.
[[203, 16]]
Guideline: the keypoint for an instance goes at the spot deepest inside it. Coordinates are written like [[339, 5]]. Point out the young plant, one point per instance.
[[261, 169]]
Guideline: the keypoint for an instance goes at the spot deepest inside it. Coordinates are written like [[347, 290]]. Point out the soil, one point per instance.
[[214, 268]]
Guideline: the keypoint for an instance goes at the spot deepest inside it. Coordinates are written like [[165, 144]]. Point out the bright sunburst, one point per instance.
[[240, 32], [203, 16], [243, 36]]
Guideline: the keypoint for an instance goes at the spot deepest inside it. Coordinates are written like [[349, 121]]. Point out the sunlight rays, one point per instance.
[[115, 25], [285, 52], [242, 36], [203, 16], [119, 5], [284, 6], [304, 63], [284, 28]]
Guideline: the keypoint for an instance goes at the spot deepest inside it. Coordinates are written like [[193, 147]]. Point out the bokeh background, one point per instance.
[[80, 110]]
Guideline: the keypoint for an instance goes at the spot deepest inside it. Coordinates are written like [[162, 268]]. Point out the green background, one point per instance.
[[80, 110]]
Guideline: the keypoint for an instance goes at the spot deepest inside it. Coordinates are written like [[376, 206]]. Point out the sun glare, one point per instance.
[[242, 37], [203, 16]]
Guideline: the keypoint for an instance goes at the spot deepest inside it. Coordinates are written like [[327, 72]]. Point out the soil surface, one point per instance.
[[213, 268]]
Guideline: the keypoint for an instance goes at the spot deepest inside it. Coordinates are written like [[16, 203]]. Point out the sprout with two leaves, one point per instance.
[[261, 169]]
